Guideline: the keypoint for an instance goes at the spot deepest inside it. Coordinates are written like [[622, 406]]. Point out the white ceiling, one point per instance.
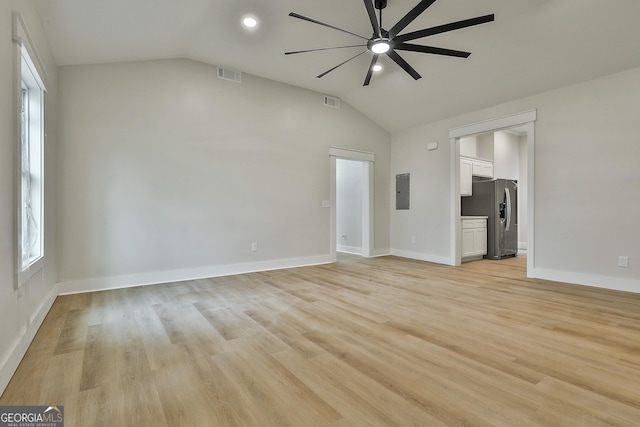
[[533, 46]]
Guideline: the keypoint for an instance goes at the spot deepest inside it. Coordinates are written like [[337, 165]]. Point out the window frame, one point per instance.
[[29, 188]]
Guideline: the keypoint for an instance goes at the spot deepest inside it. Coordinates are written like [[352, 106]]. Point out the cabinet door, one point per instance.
[[487, 170], [480, 241], [482, 168], [466, 171], [468, 242]]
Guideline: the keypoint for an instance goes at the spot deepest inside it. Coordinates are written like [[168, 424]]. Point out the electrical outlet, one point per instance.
[[413, 240], [623, 261], [254, 247]]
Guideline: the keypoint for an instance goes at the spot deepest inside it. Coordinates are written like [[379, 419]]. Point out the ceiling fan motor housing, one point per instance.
[[371, 44], [381, 4]]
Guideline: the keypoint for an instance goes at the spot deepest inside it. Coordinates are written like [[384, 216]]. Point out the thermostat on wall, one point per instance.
[[432, 146]]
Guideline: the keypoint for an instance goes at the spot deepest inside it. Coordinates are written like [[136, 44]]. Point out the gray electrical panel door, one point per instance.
[[402, 191]]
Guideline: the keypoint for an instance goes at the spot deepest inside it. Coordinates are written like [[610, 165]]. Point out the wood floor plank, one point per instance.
[[190, 397], [362, 342], [561, 401], [298, 401], [361, 400], [284, 332], [74, 332], [183, 322]]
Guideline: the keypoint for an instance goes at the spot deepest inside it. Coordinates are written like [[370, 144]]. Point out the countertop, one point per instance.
[[474, 217]]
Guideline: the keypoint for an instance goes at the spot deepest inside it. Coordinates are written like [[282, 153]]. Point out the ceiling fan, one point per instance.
[[384, 42]]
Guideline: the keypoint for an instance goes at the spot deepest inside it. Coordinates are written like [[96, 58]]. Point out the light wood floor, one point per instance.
[[364, 342]]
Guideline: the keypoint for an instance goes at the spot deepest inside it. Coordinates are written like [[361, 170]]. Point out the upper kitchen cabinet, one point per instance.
[[482, 168], [470, 168], [466, 171]]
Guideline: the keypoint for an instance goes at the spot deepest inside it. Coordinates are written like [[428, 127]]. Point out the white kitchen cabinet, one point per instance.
[[466, 171], [474, 238], [483, 168], [470, 167]]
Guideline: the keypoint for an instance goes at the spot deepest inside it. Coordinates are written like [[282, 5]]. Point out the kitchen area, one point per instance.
[[493, 191]]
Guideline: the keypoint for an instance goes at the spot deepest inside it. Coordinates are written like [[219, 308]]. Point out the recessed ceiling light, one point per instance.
[[249, 22], [377, 68]]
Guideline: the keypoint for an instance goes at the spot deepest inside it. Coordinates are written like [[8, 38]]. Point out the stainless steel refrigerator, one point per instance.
[[497, 199]]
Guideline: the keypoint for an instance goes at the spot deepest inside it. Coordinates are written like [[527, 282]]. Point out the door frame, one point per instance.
[[526, 118], [368, 160]]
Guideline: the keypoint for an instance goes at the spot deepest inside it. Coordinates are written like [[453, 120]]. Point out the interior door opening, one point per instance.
[[507, 143], [351, 203], [499, 156]]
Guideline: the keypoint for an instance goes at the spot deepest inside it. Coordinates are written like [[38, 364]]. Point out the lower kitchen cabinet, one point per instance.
[[474, 238]]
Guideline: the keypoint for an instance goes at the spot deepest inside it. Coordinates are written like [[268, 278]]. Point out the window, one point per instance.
[[30, 161]]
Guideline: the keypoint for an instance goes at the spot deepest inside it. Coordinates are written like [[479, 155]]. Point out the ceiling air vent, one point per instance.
[[330, 101], [232, 76]]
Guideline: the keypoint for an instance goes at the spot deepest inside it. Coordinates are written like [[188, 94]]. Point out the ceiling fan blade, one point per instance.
[[409, 17], [324, 48], [445, 28], [372, 17], [370, 72], [304, 18], [430, 49], [403, 64], [340, 64]]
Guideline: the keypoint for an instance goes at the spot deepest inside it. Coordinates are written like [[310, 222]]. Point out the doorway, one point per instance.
[[525, 123], [351, 202], [349, 205]]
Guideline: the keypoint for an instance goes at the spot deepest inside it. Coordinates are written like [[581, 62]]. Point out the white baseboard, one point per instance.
[[381, 252], [349, 249], [153, 278], [438, 259], [596, 281], [10, 361]]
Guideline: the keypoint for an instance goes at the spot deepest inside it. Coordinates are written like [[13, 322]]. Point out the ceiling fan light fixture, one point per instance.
[[380, 46], [390, 42]]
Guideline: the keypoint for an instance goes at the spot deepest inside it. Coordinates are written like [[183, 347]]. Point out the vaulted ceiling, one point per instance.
[[533, 46]]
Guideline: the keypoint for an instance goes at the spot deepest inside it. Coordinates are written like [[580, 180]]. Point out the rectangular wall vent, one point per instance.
[[232, 76], [330, 101]]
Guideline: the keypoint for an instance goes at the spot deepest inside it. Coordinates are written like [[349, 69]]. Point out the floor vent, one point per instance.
[[232, 76], [330, 101]]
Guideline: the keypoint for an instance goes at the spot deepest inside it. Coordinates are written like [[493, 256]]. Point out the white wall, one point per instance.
[[22, 310], [478, 146], [523, 189], [469, 146], [486, 146], [506, 155], [349, 205], [168, 173], [587, 195], [428, 217]]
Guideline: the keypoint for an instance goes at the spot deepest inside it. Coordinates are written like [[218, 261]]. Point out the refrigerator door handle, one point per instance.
[[507, 195]]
